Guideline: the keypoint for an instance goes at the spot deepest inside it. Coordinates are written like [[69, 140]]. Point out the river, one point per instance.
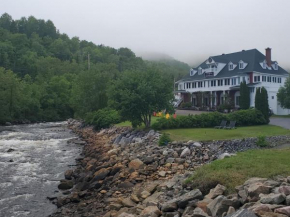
[[33, 158]]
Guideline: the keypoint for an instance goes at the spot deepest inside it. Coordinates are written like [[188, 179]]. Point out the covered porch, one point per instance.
[[211, 100]]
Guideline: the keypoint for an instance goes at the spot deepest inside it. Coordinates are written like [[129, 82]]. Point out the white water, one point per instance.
[[40, 157]]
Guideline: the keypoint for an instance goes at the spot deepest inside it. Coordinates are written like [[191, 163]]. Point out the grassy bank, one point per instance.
[[202, 134], [234, 171], [128, 123]]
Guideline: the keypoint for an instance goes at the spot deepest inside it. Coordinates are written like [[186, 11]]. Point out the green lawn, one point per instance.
[[128, 123], [203, 134], [236, 170]]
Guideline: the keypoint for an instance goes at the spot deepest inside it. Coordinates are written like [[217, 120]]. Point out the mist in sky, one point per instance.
[[187, 30]]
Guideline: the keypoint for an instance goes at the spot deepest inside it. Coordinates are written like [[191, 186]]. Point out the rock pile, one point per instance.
[[123, 172]]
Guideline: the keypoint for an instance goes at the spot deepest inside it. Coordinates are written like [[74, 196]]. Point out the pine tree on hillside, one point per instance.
[[244, 96]]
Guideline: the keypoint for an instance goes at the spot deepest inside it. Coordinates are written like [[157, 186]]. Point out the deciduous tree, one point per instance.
[[283, 95], [137, 94]]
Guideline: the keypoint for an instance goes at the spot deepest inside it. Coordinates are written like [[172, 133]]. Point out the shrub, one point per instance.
[[243, 118], [261, 141], [247, 117], [164, 139], [186, 105], [103, 118]]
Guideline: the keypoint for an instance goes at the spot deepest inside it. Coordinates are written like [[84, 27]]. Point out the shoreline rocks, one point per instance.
[[123, 172]]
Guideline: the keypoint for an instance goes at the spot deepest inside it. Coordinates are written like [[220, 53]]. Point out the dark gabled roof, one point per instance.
[[252, 57]]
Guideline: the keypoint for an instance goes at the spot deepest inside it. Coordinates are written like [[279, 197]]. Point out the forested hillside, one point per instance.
[[47, 76]]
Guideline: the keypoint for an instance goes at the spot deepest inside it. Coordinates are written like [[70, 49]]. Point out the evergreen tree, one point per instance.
[[258, 99], [264, 103], [244, 96], [261, 102]]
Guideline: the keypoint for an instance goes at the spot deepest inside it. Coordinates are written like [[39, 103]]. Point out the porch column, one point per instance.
[[215, 99], [224, 96], [201, 99]]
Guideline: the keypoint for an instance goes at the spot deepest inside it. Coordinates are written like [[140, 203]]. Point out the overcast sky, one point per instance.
[[188, 30]]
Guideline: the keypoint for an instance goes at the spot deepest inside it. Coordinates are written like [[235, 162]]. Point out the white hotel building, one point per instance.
[[219, 77]]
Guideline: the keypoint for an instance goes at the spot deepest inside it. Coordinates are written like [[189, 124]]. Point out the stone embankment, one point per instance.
[[123, 172]]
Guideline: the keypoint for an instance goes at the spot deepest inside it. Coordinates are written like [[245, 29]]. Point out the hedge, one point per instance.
[[243, 118]]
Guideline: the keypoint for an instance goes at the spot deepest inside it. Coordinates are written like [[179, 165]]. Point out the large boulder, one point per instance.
[[258, 188], [194, 212], [151, 211], [243, 213], [283, 210], [216, 208], [218, 190], [101, 174], [221, 205], [65, 184], [272, 198], [135, 164], [183, 200], [169, 206], [185, 153], [127, 202], [68, 174], [284, 190]]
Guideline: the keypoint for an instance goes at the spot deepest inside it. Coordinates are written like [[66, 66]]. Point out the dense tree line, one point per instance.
[[47, 76]]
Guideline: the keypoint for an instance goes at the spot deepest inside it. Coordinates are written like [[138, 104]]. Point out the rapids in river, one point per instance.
[[33, 158]]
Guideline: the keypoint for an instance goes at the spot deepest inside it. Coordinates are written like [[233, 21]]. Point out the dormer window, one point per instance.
[[199, 70], [231, 66], [264, 65], [275, 66], [242, 64], [192, 72]]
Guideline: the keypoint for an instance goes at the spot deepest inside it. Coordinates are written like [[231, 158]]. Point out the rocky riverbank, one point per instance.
[[123, 172]]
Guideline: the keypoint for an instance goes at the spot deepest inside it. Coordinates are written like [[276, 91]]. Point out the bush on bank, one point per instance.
[[103, 118], [243, 118]]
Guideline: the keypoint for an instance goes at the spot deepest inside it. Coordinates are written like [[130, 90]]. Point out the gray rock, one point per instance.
[[185, 153], [124, 141], [225, 155], [220, 205], [170, 160], [288, 200], [101, 174], [196, 144], [258, 188], [151, 133], [127, 202], [117, 140], [214, 206], [272, 198], [243, 213], [65, 184], [255, 180], [162, 173], [165, 153], [218, 190], [231, 210], [169, 206], [192, 195]]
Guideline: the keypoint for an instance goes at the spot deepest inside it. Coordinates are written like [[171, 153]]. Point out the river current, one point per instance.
[[33, 158]]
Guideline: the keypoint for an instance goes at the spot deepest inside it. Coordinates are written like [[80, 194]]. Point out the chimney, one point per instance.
[[268, 56]]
